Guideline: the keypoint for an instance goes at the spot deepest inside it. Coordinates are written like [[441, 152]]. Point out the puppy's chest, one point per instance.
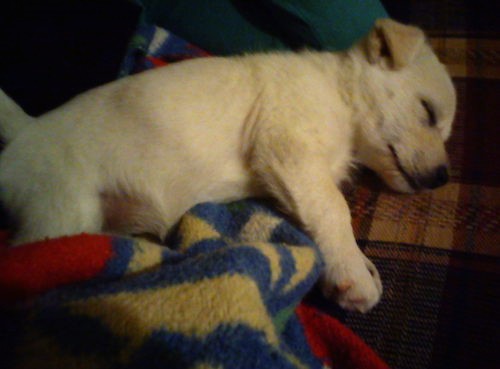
[[340, 165], [338, 144]]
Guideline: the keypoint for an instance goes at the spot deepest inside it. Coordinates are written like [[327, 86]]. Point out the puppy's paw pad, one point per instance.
[[354, 301], [342, 287], [354, 284]]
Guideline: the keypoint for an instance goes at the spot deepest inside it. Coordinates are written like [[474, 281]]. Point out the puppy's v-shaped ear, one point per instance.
[[393, 45]]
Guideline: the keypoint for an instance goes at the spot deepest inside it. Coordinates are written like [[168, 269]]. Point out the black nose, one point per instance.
[[438, 178]]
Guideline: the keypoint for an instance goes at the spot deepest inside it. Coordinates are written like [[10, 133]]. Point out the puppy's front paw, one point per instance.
[[353, 281]]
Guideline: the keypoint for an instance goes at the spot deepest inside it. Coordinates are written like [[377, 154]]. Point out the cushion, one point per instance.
[[227, 27]]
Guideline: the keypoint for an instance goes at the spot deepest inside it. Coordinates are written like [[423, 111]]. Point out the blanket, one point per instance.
[[225, 294]]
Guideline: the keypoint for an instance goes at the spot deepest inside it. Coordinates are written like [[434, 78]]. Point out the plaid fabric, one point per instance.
[[439, 252], [459, 216]]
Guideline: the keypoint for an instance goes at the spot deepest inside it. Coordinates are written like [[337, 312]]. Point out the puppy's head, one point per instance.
[[407, 107]]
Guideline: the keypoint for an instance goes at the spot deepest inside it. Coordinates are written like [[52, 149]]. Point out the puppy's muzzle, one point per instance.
[[434, 179], [437, 178]]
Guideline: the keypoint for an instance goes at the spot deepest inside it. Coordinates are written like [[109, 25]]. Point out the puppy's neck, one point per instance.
[[348, 74]]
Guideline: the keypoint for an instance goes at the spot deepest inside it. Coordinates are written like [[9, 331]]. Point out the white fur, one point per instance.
[[135, 154]]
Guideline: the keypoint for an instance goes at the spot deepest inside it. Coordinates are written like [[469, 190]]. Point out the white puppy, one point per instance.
[[132, 156]]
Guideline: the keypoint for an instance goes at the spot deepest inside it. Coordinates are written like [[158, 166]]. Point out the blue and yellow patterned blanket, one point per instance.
[[222, 296]]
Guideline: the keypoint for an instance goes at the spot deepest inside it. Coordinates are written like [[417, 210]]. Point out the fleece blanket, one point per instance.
[[225, 294]]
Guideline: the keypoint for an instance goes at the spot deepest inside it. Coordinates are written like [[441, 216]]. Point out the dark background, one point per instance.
[[52, 50]]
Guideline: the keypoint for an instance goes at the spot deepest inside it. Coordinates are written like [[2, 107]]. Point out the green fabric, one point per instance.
[[234, 26], [335, 24]]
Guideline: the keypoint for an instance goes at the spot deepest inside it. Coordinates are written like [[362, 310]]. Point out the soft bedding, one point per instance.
[[226, 293]]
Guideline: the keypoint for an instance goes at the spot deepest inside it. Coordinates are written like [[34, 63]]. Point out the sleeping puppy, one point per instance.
[[132, 156]]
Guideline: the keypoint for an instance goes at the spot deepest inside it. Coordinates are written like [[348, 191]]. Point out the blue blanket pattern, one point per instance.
[[222, 295]]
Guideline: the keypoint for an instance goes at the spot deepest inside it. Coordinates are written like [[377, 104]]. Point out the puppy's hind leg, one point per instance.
[[58, 210], [53, 216]]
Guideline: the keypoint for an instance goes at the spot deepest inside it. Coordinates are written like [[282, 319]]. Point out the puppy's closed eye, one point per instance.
[[431, 113]]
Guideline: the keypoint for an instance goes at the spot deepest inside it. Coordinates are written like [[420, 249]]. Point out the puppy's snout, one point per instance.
[[437, 179]]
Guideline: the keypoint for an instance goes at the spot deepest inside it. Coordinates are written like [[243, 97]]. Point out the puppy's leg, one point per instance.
[[48, 203], [297, 173], [54, 216]]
